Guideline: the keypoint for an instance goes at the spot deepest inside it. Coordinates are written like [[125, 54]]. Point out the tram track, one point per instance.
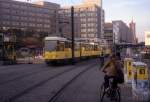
[[62, 89], [23, 76], [39, 70], [27, 90], [7, 67], [20, 68]]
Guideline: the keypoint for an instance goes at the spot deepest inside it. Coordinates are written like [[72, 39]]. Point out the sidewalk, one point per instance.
[[126, 93]]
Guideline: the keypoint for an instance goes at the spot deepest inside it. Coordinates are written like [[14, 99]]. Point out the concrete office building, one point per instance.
[[98, 2], [64, 24], [108, 33], [90, 16], [147, 39], [122, 32], [40, 16]]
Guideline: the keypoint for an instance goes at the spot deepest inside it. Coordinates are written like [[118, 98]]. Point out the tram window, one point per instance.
[[95, 47], [90, 47], [50, 45], [67, 45], [141, 71], [77, 46], [129, 63], [130, 72], [86, 47], [83, 46], [60, 46]]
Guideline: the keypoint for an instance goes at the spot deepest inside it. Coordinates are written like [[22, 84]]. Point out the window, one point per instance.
[[129, 63], [67, 44], [77, 46], [6, 22], [142, 71], [83, 30], [60, 46], [83, 25], [6, 17], [83, 20], [6, 10], [50, 45], [6, 5]]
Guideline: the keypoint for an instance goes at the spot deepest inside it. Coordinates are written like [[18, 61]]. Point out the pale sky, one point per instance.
[[126, 10]]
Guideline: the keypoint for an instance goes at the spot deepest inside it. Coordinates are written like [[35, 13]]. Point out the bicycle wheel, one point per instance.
[[102, 92], [118, 95]]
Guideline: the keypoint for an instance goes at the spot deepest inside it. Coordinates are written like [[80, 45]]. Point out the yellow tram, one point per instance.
[[58, 49]]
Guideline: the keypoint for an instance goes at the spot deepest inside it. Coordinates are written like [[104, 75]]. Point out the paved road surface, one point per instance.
[[38, 83]]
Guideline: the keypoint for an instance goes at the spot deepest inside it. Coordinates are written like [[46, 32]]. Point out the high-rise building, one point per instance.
[[133, 31], [98, 2], [108, 33], [64, 24], [40, 16], [122, 32], [147, 39], [90, 17]]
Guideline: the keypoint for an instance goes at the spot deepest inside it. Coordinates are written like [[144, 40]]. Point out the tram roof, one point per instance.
[[56, 39], [139, 64]]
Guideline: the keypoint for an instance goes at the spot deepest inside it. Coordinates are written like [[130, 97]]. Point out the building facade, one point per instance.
[[89, 17], [108, 33], [64, 24], [39, 16], [147, 39], [98, 2], [133, 31], [122, 32]]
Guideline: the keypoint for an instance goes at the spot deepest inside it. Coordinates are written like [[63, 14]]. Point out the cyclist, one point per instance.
[[112, 69]]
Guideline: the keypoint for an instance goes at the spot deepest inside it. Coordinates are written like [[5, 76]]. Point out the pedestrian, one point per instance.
[[102, 58]]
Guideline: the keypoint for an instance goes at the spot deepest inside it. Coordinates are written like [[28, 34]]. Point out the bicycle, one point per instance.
[[114, 95]]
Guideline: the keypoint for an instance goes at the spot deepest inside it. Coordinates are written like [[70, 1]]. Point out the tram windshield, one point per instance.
[[50, 45]]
